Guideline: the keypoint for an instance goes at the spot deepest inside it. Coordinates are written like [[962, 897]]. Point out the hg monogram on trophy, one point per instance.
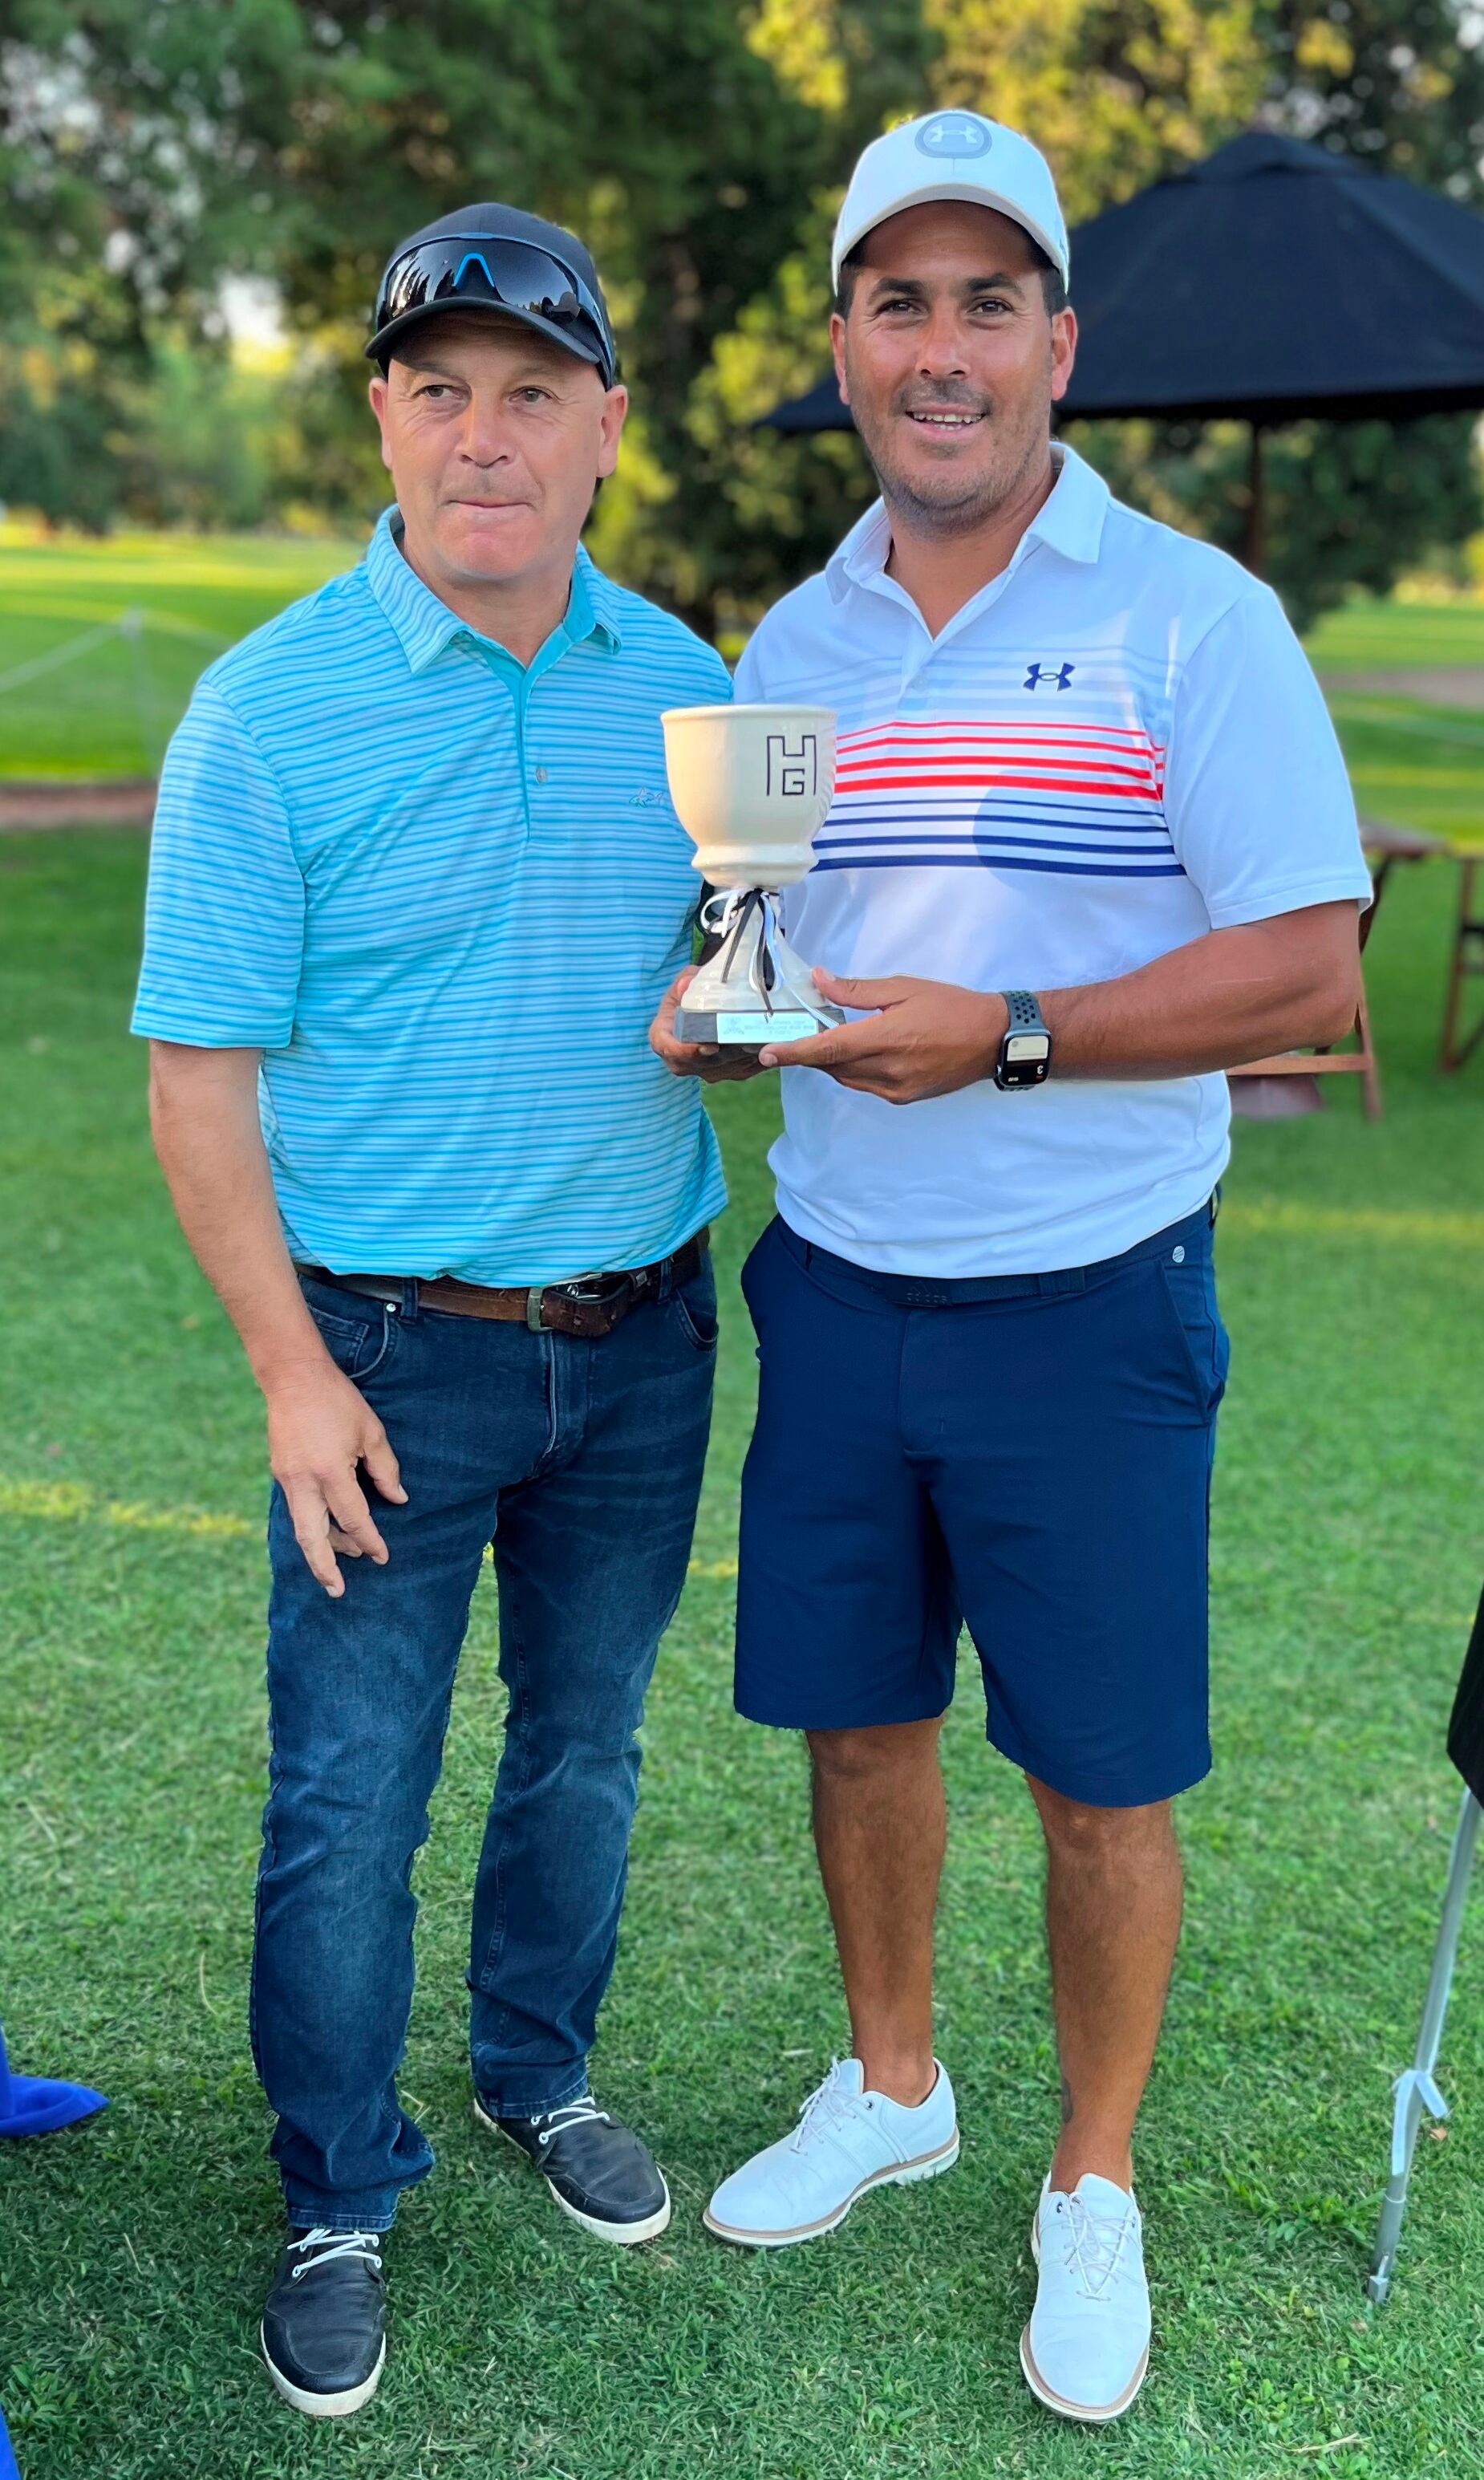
[[751, 785]]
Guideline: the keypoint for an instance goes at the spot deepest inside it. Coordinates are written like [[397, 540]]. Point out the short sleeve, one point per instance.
[[747, 680], [224, 915], [1256, 794], [718, 679]]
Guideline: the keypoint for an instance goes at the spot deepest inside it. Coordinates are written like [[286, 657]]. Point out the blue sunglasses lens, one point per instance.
[[507, 271]]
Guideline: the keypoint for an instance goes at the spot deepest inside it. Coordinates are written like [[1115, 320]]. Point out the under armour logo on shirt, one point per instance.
[[1045, 674]]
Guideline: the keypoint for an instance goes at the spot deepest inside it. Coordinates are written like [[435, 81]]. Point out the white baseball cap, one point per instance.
[[953, 155]]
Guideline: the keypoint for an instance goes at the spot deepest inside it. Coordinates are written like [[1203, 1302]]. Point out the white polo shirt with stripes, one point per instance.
[[1117, 746]]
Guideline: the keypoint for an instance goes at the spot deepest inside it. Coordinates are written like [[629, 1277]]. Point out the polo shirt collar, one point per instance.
[[593, 606], [424, 626], [1071, 523]]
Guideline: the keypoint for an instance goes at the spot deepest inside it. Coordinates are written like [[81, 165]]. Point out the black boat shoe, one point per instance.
[[597, 2168], [324, 2326]]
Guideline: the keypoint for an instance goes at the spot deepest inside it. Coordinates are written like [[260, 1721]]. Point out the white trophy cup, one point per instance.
[[751, 786]]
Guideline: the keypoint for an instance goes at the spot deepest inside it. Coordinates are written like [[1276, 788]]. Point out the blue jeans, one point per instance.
[[582, 1463]]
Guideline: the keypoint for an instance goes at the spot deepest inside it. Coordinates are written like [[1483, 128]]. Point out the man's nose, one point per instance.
[[484, 436], [941, 351]]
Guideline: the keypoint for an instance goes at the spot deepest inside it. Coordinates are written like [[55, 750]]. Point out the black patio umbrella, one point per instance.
[[1271, 282]]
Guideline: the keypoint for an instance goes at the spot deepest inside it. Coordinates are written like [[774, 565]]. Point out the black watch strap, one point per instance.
[[1025, 1045]]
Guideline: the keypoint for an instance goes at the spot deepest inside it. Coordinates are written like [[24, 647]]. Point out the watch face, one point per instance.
[[1025, 1049]]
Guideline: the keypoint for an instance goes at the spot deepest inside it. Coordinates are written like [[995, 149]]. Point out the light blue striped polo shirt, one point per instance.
[[444, 893]]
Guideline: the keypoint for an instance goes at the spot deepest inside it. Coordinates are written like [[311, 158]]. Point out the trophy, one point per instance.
[[751, 785]]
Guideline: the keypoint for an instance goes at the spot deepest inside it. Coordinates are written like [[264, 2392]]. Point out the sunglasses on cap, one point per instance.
[[482, 267]]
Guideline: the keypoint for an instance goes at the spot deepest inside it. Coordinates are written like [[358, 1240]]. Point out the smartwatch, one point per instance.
[[1024, 1057]]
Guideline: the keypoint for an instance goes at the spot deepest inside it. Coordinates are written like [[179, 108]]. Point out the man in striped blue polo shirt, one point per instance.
[[416, 892]]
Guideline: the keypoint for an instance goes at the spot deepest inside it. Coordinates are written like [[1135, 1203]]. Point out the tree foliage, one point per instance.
[[150, 147]]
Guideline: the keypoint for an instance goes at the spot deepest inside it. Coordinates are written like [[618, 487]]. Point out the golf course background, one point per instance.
[[1349, 1547], [109, 709]]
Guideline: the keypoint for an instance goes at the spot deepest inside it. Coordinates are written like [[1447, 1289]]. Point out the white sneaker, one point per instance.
[[1085, 2349], [847, 2140]]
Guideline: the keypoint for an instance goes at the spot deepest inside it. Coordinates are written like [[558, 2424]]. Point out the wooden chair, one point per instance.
[[1468, 963], [1385, 844]]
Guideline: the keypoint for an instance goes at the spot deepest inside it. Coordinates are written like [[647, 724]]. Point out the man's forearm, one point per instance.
[[1231, 996], [1226, 999], [204, 1116]]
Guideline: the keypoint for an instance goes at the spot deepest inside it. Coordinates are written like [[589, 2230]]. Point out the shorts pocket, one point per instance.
[[1190, 1289], [754, 1265]]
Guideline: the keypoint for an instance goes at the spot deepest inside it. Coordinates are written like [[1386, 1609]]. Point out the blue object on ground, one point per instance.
[[34, 2105], [8, 2466]]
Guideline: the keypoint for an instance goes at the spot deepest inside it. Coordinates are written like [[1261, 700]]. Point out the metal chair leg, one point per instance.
[[1416, 2090]]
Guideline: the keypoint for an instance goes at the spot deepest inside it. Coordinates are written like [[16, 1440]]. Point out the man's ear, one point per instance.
[[615, 410], [380, 398], [1064, 353], [838, 348]]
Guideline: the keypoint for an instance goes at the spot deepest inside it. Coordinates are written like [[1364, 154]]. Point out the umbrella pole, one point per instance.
[[1255, 548], [1416, 2090]]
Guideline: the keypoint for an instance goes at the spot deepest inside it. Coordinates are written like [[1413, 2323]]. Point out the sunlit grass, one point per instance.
[[1348, 1544], [111, 713]]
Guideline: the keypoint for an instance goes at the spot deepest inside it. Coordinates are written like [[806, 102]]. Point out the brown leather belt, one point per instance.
[[589, 1307]]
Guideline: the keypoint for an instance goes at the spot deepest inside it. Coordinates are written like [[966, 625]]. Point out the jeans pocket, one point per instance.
[[1190, 1289], [358, 1344], [695, 1308]]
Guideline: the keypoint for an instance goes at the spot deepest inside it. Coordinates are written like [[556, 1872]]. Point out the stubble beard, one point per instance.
[[1013, 451]]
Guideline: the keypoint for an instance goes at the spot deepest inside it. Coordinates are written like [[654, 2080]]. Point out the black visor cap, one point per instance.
[[493, 259]]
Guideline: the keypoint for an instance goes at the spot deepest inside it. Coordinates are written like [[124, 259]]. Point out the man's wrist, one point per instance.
[[996, 1022], [289, 1354], [1024, 1057]]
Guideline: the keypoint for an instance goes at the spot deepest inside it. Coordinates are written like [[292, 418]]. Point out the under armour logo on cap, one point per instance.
[[954, 133], [950, 155]]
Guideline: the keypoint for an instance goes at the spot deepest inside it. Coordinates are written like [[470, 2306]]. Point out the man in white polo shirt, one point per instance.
[[1091, 844]]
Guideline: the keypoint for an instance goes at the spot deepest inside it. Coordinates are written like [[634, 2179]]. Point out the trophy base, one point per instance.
[[748, 1028], [754, 990]]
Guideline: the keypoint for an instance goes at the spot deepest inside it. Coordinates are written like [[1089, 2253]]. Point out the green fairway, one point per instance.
[[1349, 1547], [1365, 635], [109, 710]]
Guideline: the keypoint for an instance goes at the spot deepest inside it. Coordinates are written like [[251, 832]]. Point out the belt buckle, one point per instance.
[[584, 1291]]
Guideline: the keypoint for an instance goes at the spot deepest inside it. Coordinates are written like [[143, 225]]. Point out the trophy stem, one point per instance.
[[754, 990]]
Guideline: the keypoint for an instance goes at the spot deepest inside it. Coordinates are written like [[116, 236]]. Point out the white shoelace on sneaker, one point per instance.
[[1094, 2244], [581, 2112], [327, 2246], [828, 2107]]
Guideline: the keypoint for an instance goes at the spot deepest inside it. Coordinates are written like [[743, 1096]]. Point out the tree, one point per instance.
[[1347, 503], [701, 147], [1118, 94]]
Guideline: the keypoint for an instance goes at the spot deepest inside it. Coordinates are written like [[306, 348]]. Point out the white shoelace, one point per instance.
[[828, 2107], [327, 2246], [1094, 2244], [581, 2112]]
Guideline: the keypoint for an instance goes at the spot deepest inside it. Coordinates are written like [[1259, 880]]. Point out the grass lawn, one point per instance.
[[1348, 1546], [1367, 635], [111, 708], [109, 711]]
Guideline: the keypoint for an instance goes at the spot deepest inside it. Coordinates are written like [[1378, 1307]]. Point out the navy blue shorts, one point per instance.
[[1032, 1460]]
